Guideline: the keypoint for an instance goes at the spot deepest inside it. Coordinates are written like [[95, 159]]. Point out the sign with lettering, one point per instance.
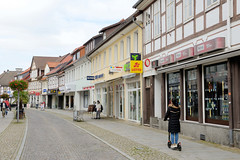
[[99, 76], [90, 78], [186, 53], [135, 56], [147, 62], [136, 67], [211, 45], [88, 88], [116, 69], [166, 60]]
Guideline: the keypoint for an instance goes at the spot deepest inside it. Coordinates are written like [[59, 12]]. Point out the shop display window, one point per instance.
[[216, 94], [191, 95], [173, 87]]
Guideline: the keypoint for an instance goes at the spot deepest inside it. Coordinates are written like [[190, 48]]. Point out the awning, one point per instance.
[[131, 75]]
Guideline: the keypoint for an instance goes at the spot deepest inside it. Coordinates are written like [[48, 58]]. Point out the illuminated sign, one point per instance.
[[90, 78], [135, 56], [136, 67], [99, 76], [116, 69], [127, 67]]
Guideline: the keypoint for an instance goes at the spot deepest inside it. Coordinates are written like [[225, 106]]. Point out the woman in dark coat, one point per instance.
[[173, 113]]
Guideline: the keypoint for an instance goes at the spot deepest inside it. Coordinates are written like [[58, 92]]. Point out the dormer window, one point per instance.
[[104, 35]]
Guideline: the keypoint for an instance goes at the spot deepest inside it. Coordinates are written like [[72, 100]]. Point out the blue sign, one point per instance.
[[135, 56], [8, 92], [44, 90], [99, 76], [90, 78]]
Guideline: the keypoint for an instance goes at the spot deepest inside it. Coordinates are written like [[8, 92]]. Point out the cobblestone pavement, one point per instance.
[[11, 138], [137, 141], [50, 137]]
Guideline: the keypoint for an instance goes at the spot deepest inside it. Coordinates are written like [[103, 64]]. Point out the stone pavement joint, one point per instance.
[[133, 149], [11, 138]]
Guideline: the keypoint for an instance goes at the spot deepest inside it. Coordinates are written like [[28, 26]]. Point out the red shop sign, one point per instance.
[[186, 53], [166, 60], [147, 62], [211, 45]]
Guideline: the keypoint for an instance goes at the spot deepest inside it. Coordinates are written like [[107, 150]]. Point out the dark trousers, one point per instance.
[[98, 114]]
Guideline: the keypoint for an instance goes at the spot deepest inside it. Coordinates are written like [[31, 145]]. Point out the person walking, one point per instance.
[[98, 109], [3, 108], [173, 113]]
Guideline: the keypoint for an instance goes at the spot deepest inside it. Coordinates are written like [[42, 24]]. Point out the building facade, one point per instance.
[[191, 53]]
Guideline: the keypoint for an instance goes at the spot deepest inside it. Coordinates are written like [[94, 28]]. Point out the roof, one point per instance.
[[26, 77], [52, 64], [27, 70], [94, 37], [42, 61], [77, 49], [7, 76], [124, 24], [137, 3], [112, 25], [67, 59]]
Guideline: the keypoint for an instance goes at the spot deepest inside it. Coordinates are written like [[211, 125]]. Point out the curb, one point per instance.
[[23, 142]]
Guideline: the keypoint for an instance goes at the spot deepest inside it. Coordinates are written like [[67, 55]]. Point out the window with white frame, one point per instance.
[[110, 56], [128, 46], [96, 63], [170, 14], [136, 41], [121, 50], [104, 58], [210, 3], [116, 53], [157, 18], [148, 26], [93, 66], [100, 58], [188, 9], [82, 71]]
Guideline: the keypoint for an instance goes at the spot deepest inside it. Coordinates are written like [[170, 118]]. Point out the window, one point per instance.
[[148, 27], [128, 46], [104, 59], [191, 95], [216, 94], [96, 64], [104, 35], [136, 41], [156, 18], [173, 86], [93, 65], [170, 14], [210, 3], [188, 9], [99, 61], [110, 56], [116, 53], [121, 50]]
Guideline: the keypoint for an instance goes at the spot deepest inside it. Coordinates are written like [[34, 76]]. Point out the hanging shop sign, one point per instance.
[[155, 64], [136, 67], [90, 78], [184, 54], [32, 92], [135, 56], [99, 76], [60, 93], [44, 91], [166, 60], [211, 45], [147, 62], [127, 66], [52, 91], [116, 68], [37, 93]]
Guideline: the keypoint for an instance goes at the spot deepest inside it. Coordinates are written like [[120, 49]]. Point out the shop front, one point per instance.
[[52, 98]]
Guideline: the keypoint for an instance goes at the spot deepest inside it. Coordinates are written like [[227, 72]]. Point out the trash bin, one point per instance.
[[78, 115]]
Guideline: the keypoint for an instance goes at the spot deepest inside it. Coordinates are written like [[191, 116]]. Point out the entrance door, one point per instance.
[[110, 102], [60, 102], [120, 101], [50, 101], [148, 107]]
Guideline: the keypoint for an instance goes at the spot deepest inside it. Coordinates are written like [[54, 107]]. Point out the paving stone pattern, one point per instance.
[[11, 139], [51, 138], [133, 149]]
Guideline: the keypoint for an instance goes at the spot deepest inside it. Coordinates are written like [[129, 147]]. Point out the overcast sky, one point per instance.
[[52, 27]]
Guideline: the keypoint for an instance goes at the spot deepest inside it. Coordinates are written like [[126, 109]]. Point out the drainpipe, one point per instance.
[[229, 13]]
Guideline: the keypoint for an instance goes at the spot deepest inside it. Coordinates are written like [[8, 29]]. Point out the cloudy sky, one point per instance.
[[52, 27]]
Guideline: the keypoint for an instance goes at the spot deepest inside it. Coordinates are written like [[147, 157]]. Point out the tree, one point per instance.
[[4, 96], [23, 97], [19, 86]]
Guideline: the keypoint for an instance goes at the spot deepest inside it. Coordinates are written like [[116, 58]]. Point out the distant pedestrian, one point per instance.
[[173, 113], [98, 109], [3, 108], [42, 106]]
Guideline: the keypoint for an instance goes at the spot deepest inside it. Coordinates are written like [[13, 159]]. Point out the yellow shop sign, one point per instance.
[[136, 67]]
